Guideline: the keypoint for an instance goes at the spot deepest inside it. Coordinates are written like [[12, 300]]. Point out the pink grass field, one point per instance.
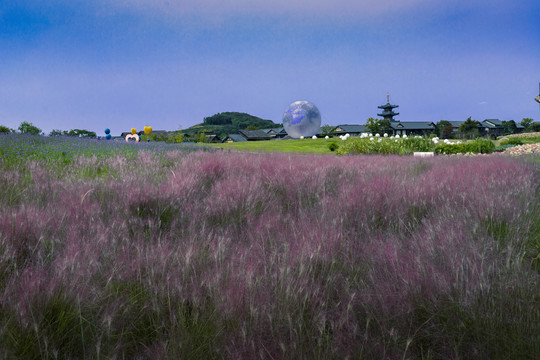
[[270, 256]]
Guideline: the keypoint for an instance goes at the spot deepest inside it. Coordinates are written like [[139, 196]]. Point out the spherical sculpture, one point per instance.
[[302, 118]]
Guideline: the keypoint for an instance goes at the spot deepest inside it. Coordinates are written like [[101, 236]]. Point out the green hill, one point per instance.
[[226, 123]]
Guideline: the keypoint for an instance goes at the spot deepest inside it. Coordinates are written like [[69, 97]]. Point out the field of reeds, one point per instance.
[[168, 253]]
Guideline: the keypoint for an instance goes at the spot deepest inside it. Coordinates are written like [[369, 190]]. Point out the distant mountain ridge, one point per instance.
[[226, 123]]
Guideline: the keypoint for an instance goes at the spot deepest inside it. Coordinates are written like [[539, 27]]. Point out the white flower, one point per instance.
[[385, 135], [370, 134], [377, 135], [314, 137], [327, 137], [371, 138], [391, 137], [380, 140], [405, 136], [301, 137], [397, 136], [395, 140]]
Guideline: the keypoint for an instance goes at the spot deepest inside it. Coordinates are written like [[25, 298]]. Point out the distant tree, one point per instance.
[[509, 127], [252, 127], [526, 123], [4, 129], [440, 126], [82, 133], [56, 132], [28, 128], [373, 125], [328, 130], [469, 128], [447, 132], [385, 126], [534, 127]]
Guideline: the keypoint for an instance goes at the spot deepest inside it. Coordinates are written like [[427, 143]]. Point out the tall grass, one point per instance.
[[271, 256]]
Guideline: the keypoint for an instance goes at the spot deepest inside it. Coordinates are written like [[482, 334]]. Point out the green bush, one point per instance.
[[4, 129], [385, 146], [512, 141], [333, 146], [478, 146]]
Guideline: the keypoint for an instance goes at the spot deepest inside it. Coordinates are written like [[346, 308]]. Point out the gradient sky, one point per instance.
[[92, 64]]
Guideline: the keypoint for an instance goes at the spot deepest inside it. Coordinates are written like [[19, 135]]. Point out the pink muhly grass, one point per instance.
[[272, 255]]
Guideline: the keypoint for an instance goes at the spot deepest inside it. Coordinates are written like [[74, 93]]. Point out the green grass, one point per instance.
[[305, 146]]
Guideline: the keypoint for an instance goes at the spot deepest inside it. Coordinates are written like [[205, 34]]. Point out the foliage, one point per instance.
[[333, 146], [28, 128], [478, 146], [469, 128], [4, 129], [328, 130], [378, 126], [230, 122], [534, 127], [509, 127], [526, 123], [444, 129], [82, 133], [176, 255], [511, 141], [374, 145]]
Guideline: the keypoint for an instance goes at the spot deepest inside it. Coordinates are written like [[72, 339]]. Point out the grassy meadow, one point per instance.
[[153, 251], [304, 146]]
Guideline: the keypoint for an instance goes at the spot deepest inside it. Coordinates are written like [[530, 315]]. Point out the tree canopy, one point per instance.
[[28, 128]]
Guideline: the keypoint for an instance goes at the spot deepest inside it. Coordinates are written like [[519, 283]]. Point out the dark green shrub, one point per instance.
[[512, 141], [4, 129], [333, 146]]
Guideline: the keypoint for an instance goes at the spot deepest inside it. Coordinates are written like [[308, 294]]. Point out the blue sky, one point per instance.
[[67, 64]]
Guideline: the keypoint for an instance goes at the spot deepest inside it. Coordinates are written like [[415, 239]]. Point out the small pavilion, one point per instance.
[[388, 112]]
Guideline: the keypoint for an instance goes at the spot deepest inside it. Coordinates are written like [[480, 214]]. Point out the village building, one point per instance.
[[247, 135], [352, 130]]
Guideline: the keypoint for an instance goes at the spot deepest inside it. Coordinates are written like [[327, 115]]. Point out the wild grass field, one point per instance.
[[304, 146], [112, 251]]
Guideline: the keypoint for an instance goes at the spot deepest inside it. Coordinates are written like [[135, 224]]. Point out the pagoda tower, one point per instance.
[[387, 112]]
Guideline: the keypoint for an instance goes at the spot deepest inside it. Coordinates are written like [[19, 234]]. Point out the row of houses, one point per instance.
[[488, 127]]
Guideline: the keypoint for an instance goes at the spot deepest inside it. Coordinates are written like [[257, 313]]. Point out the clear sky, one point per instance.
[[92, 64]]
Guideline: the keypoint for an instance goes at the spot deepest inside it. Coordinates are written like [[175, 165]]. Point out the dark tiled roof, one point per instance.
[[494, 121], [254, 134], [456, 124], [351, 129], [413, 125], [387, 106], [488, 125], [235, 138]]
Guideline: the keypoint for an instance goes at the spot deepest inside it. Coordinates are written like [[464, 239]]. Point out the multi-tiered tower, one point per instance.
[[388, 112]]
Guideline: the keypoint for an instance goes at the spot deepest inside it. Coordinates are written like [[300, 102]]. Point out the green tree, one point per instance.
[[28, 128], [56, 132], [534, 127], [526, 122], [385, 126], [373, 125], [439, 127], [469, 128], [328, 130], [82, 133], [509, 127], [4, 129], [252, 127]]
